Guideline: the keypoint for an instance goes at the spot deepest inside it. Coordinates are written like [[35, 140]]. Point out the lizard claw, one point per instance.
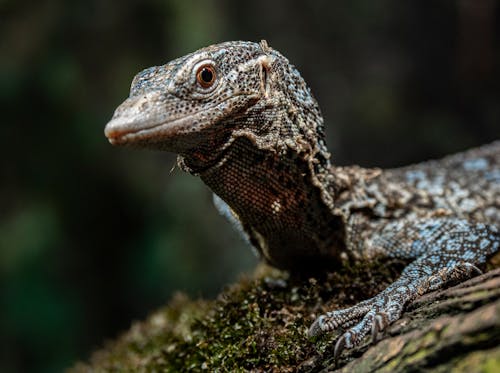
[[380, 322], [339, 347]]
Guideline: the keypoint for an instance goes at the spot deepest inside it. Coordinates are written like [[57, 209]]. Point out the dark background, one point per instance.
[[93, 237]]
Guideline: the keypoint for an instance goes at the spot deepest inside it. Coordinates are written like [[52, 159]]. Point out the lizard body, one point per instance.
[[241, 117]]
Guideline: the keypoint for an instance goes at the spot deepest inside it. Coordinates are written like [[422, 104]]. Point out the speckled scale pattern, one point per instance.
[[256, 138]]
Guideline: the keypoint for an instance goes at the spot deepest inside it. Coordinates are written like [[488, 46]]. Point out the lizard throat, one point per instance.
[[278, 204]]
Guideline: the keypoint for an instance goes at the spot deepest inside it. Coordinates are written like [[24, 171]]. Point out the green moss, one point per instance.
[[255, 323], [261, 324]]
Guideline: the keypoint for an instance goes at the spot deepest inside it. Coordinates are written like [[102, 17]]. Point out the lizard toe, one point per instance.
[[464, 270], [458, 272], [353, 337], [317, 327], [339, 318]]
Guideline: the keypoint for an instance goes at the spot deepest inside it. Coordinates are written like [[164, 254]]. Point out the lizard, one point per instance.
[[240, 116]]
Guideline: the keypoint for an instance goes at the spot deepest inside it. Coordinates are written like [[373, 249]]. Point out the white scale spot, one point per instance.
[[276, 206]]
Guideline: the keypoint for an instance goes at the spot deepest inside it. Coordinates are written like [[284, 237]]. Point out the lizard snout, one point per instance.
[[136, 118]]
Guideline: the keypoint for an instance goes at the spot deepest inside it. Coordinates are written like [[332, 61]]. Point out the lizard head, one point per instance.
[[197, 105]]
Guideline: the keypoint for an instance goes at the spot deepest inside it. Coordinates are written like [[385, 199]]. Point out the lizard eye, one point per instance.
[[205, 76]]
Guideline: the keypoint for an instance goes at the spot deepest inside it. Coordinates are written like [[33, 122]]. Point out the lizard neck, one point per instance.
[[282, 202]]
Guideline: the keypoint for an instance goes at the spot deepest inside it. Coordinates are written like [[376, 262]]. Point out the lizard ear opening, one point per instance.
[[265, 69]]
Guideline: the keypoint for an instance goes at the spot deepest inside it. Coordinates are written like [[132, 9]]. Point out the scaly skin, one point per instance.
[[253, 132]]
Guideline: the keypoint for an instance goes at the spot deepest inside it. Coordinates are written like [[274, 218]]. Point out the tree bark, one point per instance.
[[260, 325]]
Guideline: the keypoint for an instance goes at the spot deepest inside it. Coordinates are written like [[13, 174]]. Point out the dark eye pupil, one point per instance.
[[206, 75]]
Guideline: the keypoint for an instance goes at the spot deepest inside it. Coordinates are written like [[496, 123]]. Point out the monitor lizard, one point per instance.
[[241, 117]]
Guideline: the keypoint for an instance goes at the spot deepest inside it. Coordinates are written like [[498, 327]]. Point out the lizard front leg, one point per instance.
[[444, 249]]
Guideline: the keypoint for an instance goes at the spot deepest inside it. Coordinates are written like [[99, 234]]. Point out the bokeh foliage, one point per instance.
[[93, 237]]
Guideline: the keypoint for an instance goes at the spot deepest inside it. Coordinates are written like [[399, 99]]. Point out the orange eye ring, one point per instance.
[[205, 76]]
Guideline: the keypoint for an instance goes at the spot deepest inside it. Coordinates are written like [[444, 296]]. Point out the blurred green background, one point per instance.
[[93, 237]]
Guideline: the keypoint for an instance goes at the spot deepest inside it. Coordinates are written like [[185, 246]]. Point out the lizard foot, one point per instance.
[[376, 314], [371, 316]]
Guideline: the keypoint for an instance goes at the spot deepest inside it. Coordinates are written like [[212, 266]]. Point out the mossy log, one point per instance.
[[260, 325]]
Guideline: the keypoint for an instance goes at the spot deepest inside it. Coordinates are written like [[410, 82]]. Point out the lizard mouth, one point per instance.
[[147, 121], [146, 118], [122, 131]]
